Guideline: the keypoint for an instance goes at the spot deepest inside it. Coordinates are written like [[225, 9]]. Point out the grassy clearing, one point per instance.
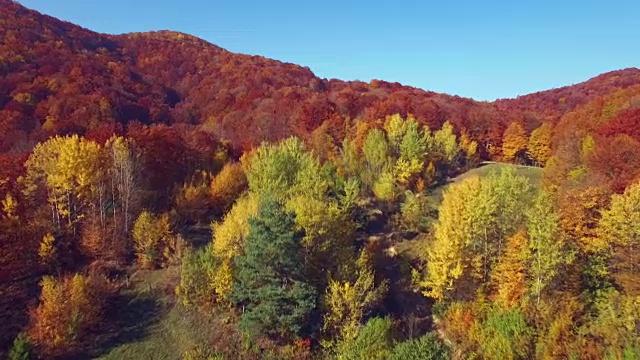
[[534, 174], [149, 324]]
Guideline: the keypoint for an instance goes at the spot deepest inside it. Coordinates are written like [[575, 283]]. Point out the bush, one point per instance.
[[428, 347]]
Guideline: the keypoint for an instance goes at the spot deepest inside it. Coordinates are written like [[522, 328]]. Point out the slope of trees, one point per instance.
[[115, 150]]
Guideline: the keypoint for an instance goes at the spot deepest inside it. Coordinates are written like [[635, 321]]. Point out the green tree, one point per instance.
[[149, 233], [427, 347], [546, 245], [285, 169], [376, 154], [445, 141], [270, 283], [22, 348], [506, 335], [197, 273], [372, 343]]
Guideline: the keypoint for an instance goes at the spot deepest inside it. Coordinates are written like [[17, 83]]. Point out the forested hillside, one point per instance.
[[152, 178]]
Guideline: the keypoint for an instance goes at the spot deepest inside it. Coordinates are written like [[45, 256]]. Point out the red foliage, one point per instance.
[[617, 159], [627, 122]]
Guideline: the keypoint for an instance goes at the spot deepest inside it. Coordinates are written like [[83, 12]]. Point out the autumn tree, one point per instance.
[[150, 234], [514, 141], [229, 241], [68, 308], [510, 274], [620, 229], [539, 146], [70, 169], [227, 186], [377, 156], [548, 251], [270, 283], [347, 302]]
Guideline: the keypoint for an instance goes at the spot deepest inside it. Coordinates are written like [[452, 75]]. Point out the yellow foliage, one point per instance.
[[150, 235], [347, 301], [514, 141], [228, 241], [47, 251], [9, 207]]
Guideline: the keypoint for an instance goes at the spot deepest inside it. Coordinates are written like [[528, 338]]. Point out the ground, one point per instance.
[[151, 325]]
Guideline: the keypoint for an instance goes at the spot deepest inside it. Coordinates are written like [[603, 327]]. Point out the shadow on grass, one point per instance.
[[129, 319]]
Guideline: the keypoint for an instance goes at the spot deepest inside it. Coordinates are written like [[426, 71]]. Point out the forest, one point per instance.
[[161, 197]]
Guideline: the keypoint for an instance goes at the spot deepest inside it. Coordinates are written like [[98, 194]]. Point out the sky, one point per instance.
[[479, 49]]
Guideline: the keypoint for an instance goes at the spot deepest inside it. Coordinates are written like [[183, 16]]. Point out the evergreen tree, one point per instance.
[[270, 283]]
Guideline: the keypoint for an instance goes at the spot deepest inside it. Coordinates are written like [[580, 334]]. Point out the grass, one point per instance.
[[534, 174], [150, 324]]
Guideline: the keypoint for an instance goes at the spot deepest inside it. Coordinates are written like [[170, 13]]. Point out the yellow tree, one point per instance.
[[227, 186], [514, 141], [539, 147], [448, 257], [228, 241], [149, 234], [70, 169], [620, 228], [347, 302]]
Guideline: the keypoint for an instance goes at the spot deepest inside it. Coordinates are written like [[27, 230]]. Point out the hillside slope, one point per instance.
[[59, 78]]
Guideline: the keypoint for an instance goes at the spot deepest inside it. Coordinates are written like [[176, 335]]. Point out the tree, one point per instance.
[[514, 141], [427, 347], [475, 217], [328, 235], [347, 302], [68, 308], [395, 127], [125, 189], [229, 241], [270, 283], [71, 170], [506, 335], [150, 233], [510, 274], [545, 244], [285, 169], [445, 141], [385, 187], [620, 228], [227, 186], [197, 271], [372, 343], [446, 257], [377, 156], [539, 147]]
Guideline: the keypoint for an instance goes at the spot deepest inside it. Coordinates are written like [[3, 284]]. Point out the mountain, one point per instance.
[[550, 105], [59, 78]]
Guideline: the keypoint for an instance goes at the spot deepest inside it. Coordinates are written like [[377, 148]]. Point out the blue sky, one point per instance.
[[484, 50]]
